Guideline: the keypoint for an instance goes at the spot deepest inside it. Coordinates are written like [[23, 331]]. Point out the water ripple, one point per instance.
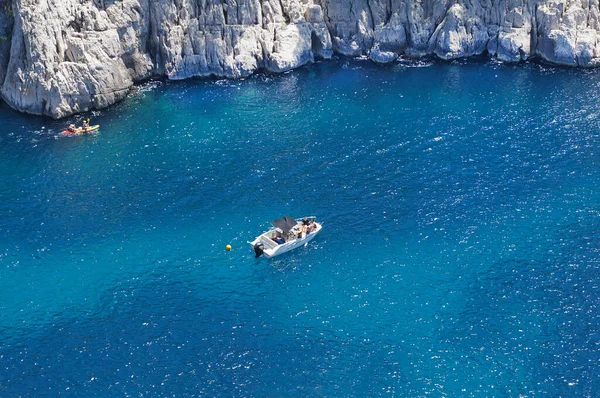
[[459, 255]]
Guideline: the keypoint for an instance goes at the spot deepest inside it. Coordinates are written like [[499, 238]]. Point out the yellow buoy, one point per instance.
[[228, 247]]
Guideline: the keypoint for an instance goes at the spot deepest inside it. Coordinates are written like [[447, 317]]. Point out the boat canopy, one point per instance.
[[286, 223]]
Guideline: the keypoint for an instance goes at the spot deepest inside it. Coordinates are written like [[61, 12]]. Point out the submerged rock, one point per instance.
[[59, 57]]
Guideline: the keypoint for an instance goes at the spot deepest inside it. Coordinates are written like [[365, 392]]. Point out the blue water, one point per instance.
[[459, 255]]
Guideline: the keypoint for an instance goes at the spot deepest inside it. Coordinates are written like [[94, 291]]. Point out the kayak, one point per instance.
[[81, 131]]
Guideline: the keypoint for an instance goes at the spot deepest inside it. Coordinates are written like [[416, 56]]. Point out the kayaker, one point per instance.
[[86, 124], [72, 128]]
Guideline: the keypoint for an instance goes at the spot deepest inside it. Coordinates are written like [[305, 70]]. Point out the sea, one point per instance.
[[459, 256]]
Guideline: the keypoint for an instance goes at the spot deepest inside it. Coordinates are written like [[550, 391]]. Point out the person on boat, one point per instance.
[[72, 128], [302, 226], [86, 124], [278, 239]]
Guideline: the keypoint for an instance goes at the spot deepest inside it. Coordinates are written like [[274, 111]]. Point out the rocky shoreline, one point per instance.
[[60, 57]]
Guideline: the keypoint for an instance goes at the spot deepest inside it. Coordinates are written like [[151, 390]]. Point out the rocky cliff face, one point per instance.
[[59, 57], [6, 27]]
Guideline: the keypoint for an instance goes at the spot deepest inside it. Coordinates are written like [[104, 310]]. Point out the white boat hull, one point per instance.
[[272, 248]]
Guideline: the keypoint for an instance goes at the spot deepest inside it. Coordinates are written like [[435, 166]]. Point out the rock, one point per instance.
[[586, 50], [60, 68], [350, 26], [450, 38], [6, 27], [70, 56], [513, 46], [559, 47], [382, 57], [568, 35], [291, 47], [390, 40], [59, 57]]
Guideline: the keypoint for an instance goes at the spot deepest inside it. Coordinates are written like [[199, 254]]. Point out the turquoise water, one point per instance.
[[459, 255]]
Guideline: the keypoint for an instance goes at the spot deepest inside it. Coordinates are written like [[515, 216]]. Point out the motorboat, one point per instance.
[[287, 234]]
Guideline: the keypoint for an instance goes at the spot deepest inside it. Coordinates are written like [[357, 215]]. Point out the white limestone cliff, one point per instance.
[[59, 57], [6, 28]]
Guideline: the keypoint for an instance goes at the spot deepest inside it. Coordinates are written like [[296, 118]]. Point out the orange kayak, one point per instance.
[[81, 131]]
